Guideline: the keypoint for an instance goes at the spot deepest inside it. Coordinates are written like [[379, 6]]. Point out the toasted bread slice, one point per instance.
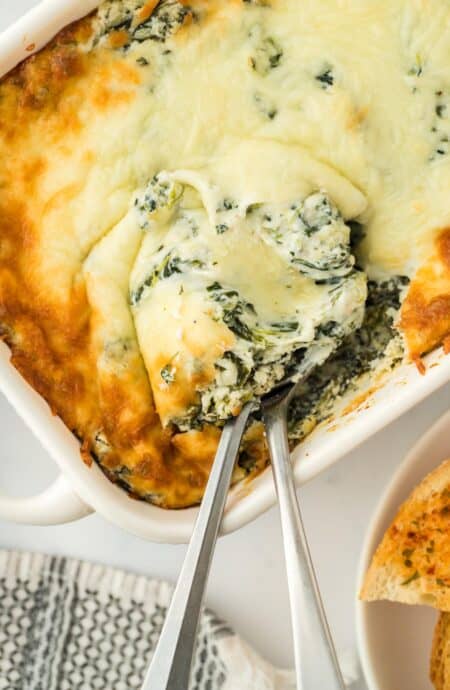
[[440, 654], [412, 563]]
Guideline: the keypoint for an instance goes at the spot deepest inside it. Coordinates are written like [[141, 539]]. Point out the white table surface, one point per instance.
[[247, 584]]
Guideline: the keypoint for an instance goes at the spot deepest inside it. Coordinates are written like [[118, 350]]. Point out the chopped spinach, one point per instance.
[[325, 78], [357, 355], [285, 326], [240, 317], [101, 444], [440, 128], [160, 193], [416, 70], [328, 329], [115, 15], [165, 20], [226, 205], [266, 56], [311, 235], [318, 210], [243, 371], [170, 265], [225, 214], [168, 374], [326, 264], [234, 310], [265, 106], [190, 420]]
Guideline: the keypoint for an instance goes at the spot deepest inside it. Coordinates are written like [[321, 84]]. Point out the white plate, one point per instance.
[[395, 640]]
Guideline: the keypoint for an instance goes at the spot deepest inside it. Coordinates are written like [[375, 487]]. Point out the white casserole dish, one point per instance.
[[81, 490]]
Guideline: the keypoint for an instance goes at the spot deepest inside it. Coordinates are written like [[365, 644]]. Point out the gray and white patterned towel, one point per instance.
[[70, 625]]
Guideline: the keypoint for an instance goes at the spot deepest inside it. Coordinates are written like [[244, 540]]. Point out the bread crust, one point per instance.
[[440, 654]]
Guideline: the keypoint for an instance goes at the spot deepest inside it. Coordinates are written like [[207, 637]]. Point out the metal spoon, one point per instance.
[[315, 657], [171, 664], [316, 661]]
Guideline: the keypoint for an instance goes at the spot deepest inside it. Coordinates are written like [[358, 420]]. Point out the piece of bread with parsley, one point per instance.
[[440, 654], [412, 563]]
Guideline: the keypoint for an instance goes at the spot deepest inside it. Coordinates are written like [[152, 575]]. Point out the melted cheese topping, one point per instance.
[[214, 330], [256, 105]]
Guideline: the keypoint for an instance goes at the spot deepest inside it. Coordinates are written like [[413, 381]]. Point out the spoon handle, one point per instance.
[[315, 656], [171, 664]]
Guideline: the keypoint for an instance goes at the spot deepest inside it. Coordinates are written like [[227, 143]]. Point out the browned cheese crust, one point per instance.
[[425, 315], [44, 313]]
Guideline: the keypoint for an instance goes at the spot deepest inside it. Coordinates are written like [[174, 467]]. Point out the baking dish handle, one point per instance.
[[55, 506]]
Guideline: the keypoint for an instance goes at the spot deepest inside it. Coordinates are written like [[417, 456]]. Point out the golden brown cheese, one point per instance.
[[46, 318], [83, 126], [425, 315]]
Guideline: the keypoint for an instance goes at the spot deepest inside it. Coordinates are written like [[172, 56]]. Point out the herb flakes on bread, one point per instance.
[[412, 563]]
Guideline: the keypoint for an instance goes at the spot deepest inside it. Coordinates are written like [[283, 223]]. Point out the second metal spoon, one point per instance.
[[171, 664], [316, 663]]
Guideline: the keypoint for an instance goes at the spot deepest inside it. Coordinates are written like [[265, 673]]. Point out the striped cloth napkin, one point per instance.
[[71, 625]]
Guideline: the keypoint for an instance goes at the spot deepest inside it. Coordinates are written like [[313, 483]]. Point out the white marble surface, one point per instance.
[[247, 583]]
